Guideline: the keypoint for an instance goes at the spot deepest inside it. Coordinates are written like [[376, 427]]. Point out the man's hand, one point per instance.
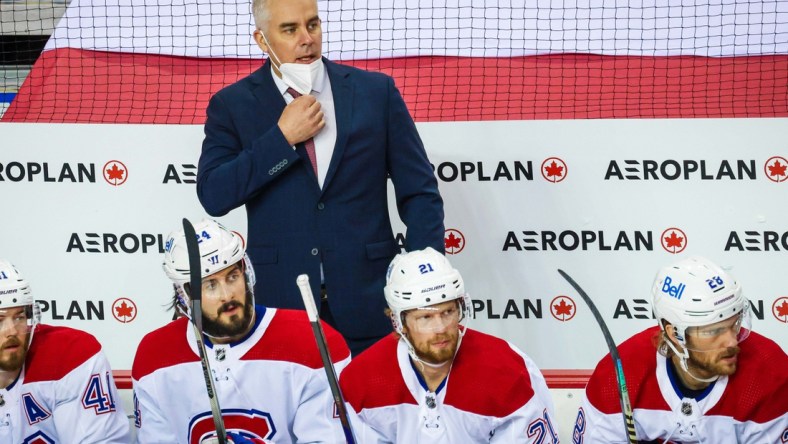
[[301, 119]]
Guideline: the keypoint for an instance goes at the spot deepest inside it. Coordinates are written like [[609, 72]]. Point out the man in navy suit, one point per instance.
[[307, 145]]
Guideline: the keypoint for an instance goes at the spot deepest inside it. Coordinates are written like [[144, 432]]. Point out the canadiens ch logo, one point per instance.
[[563, 308], [674, 240], [554, 169], [453, 241], [780, 309], [115, 172], [248, 423], [124, 310], [775, 169]]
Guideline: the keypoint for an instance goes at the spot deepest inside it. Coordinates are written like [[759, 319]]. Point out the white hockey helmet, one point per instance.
[[220, 248], [15, 292], [695, 292], [419, 279]]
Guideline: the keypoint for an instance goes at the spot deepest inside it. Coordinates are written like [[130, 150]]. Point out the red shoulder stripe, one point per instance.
[[57, 351], [373, 379], [638, 357], [289, 337], [162, 348]]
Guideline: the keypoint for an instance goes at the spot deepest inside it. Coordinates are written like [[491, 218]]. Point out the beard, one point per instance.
[[712, 364], [13, 361], [426, 352], [235, 325]]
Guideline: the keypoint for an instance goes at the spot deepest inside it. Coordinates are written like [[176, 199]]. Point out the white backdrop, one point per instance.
[[87, 207]]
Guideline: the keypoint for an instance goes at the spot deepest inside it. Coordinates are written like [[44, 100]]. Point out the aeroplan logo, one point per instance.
[[675, 291]]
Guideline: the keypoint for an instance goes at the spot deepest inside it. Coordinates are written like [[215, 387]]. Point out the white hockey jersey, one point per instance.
[[270, 385], [64, 394], [750, 406], [494, 393]]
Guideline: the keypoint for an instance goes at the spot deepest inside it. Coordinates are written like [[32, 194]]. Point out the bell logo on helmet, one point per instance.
[[675, 291], [3, 275], [169, 244]]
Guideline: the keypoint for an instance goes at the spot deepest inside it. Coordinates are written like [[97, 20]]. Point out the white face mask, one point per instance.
[[298, 76]]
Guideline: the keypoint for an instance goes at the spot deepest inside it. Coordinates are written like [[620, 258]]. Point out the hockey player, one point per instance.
[[266, 367], [694, 378], [56, 383], [437, 381]]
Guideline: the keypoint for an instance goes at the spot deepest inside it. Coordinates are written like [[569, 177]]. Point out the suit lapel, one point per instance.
[[264, 89], [342, 90], [273, 104]]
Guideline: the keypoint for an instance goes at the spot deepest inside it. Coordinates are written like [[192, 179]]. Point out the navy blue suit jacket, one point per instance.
[[293, 224]]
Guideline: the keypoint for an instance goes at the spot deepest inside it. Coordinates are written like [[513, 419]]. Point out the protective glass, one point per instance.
[[222, 284], [20, 321], [707, 337], [434, 319]]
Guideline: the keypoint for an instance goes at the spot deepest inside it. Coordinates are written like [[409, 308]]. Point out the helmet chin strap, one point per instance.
[[683, 357], [184, 309], [416, 358]]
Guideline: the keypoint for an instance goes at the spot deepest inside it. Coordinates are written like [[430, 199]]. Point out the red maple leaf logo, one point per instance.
[[777, 169], [782, 310], [673, 240], [124, 310], [115, 172], [563, 308], [452, 241], [554, 170]]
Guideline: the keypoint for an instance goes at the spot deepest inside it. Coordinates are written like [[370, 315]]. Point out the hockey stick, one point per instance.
[[623, 393], [311, 311], [195, 294]]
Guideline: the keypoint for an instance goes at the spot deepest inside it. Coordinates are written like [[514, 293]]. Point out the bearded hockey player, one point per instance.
[[266, 367], [56, 383], [694, 378], [437, 381]]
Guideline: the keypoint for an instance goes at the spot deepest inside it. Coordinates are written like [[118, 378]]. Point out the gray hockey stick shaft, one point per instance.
[[623, 393], [195, 295], [311, 310]]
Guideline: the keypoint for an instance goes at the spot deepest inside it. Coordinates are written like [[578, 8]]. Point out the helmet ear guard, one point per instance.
[[220, 248], [695, 292], [694, 295], [419, 280], [15, 292]]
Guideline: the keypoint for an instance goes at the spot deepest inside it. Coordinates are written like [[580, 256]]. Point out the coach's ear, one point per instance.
[[260, 40]]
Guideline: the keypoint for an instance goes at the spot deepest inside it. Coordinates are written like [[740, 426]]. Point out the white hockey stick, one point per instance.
[[328, 364], [623, 393], [195, 295]]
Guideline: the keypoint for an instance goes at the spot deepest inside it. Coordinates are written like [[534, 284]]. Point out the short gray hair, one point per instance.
[[261, 13]]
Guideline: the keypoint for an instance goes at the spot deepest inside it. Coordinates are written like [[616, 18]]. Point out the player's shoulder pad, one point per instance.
[[289, 337], [164, 347], [759, 388], [374, 379], [639, 359], [57, 351], [483, 357]]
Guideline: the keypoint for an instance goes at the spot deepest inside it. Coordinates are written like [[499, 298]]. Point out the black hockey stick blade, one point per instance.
[[195, 295], [623, 393], [328, 365]]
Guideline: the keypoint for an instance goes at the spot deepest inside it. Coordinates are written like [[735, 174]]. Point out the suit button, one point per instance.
[[320, 206], [314, 252]]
